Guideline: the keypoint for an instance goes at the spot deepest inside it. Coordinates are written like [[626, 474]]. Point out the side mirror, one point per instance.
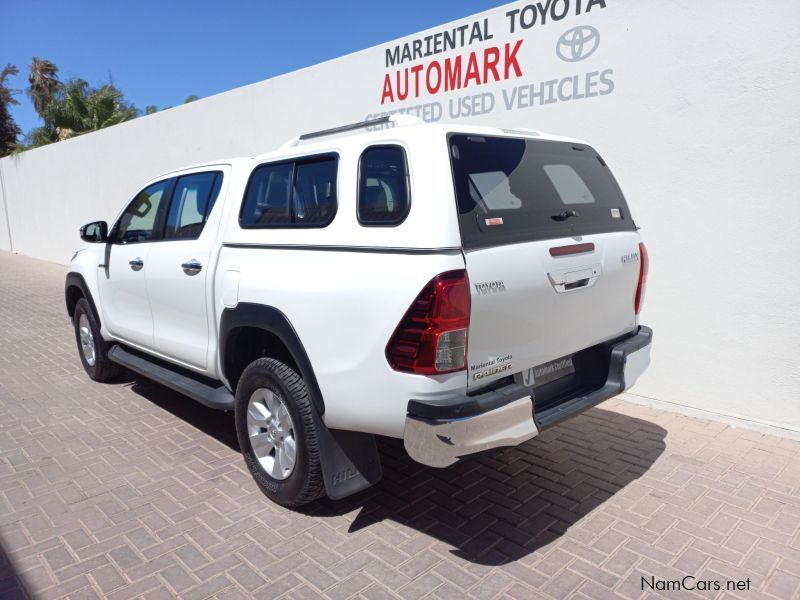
[[95, 233]]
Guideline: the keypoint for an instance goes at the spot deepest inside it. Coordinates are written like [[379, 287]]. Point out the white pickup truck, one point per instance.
[[462, 288]]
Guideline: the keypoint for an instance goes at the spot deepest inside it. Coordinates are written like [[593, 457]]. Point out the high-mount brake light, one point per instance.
[[644, 267], [431, 337]]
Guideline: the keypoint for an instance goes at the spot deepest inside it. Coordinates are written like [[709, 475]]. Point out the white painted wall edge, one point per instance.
[[5, 223]]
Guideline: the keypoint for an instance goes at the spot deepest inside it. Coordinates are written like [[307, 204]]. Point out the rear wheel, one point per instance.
[[92, 348], [275, 427]]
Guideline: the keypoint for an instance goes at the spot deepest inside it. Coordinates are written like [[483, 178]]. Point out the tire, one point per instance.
[[87, 331], [262, 424]]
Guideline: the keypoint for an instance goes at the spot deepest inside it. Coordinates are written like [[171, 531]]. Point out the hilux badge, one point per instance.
[[632, 257]]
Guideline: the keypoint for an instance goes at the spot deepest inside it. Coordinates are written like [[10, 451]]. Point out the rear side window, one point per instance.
[[192, 201], [291, 194], [511, 190], [314, 192], [383, 197]]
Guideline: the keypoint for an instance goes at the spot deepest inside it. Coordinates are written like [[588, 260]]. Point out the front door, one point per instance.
[[123, 293]]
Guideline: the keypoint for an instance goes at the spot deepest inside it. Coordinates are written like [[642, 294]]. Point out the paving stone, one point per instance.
[[126, 489]]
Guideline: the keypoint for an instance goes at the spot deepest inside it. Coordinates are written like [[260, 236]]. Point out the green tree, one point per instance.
[[73, 107], [79, 108], [39, 136], [8, 127], [152, 108], [67, 108], [43, 84]]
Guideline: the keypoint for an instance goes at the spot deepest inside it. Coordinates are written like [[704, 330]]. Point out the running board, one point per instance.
[[213, 397]]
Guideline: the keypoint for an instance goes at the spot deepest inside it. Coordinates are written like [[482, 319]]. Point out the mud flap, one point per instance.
[[350, 460]]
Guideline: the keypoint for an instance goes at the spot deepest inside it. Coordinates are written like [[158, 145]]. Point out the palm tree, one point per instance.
[[79, 108], [43, 84], [8, 127], [6, 93]]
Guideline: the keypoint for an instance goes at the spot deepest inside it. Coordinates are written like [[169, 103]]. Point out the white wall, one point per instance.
[[701, 129]]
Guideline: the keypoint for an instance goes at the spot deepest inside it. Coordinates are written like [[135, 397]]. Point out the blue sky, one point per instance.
[[160, 52]]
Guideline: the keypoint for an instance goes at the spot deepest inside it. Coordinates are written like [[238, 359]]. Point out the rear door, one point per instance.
[[551, 253], [181, 265]]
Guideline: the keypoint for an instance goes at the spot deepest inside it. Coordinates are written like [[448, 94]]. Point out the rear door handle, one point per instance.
[[192, 267], [136, 264]]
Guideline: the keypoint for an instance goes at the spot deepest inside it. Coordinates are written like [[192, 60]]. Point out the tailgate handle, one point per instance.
[[576, 284], [575, 279]]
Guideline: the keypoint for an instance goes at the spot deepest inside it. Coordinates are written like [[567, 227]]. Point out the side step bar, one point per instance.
[[213, 397]]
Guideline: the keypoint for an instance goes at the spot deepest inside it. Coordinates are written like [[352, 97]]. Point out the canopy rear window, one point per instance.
[[511, 190]]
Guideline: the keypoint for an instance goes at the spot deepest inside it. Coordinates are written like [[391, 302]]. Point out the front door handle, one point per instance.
[[136, 264], [192, 267]]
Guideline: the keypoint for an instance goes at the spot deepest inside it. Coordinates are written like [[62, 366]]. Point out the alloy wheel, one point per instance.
[[271, 431]]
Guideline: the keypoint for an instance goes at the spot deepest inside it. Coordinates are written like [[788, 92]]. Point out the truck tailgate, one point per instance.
[[530, 308], [552, 254]]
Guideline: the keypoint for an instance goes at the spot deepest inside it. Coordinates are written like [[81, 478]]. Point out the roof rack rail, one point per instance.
[[397, 120], [528, 130], [343, 128]]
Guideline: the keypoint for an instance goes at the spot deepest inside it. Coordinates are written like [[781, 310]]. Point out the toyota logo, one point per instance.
[[578, 43]]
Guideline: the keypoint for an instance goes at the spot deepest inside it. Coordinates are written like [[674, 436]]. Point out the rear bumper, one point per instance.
[[439, 432]]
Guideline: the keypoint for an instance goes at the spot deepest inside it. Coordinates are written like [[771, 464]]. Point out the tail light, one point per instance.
[[432, 336], [644, 267]]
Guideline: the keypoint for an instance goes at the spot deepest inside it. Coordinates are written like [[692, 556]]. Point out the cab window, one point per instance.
[[141, 220], [191, 203]]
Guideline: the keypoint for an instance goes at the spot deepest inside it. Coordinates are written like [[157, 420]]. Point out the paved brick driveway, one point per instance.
[[128, 490]]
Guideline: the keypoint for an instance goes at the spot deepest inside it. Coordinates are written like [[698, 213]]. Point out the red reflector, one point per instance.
[[572, 249], [432, 336], [644, 267]]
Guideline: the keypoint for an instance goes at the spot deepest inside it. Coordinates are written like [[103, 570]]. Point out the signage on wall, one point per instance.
[[578, 43], [491, 64]]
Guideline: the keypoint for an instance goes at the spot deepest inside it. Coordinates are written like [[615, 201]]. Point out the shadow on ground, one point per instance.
[[212, 422], [494, 509], [12, 584], [499, 508]]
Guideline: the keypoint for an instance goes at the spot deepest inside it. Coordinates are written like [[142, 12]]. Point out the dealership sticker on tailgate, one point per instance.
[[549, 371], [491, 366]]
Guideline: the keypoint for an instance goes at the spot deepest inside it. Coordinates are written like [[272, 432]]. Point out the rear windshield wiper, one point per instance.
[[563, 216]]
